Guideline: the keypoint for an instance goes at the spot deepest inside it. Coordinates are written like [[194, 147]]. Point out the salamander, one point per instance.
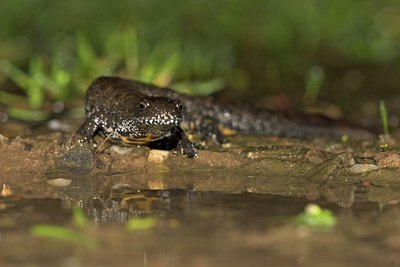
[[131, 112]]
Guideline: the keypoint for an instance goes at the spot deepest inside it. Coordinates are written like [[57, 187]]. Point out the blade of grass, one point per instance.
[[79, 218], [314, 81], [23, 114], [63, 234], [35, 90], [200, 88], [19, 77], [384, 117], [140, 224], [12, 100]]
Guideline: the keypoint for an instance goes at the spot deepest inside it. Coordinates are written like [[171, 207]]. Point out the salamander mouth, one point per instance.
[[137, 140]]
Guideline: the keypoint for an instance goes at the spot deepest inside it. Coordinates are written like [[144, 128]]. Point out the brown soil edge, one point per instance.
[[32, 165]]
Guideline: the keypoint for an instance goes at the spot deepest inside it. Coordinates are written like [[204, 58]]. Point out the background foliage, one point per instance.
[[311, 50]]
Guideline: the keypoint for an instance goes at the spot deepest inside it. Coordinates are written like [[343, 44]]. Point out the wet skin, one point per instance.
[[124, 115], [131, 112]]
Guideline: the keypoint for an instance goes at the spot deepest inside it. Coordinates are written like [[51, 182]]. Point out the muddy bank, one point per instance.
[[44, 166]]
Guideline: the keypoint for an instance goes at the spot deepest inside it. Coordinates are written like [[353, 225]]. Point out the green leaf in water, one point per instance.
[[140, 224], [315, 216], [63, 234], [79, 218]]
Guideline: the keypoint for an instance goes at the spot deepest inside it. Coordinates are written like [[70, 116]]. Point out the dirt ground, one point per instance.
[[47, 166]]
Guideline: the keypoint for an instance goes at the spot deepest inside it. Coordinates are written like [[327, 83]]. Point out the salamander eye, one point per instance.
[[143, 105], [179, 106]]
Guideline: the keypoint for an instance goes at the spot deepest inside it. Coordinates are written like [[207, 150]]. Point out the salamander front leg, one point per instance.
[[176, 139], [93, 123], [186, 147]]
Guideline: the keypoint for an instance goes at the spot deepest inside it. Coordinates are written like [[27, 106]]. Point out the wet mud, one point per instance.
[[52, 165]]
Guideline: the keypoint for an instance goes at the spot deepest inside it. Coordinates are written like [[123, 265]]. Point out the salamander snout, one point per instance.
[[159, 111]]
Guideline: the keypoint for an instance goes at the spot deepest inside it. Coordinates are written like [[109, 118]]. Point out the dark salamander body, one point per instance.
[[131, 112]]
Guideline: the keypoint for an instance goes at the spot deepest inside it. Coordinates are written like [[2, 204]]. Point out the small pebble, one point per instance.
[[6, 191], [121, 150], [158, 156], [57, 125], [363, 168], [59, 182], [252, 155], [155, 185], [389, 160], [3, 138]]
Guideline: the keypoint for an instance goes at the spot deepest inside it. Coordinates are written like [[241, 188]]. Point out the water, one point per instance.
[[195, 229]]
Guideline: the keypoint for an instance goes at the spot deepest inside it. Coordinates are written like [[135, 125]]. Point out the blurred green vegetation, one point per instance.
[[316, 217], [51, 50], [384, 117], [81, 232]]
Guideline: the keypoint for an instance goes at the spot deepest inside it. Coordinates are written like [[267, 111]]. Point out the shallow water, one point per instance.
[[196, 229]]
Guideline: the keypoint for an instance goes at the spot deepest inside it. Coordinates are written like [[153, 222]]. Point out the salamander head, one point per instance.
[[153, 118], [158, 112]]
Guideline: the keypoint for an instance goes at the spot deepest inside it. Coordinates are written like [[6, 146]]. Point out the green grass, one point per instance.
[[52, 79], [68, 234], [63, 234], [314, 81], [79, 235], [384, 117], [136, 224]]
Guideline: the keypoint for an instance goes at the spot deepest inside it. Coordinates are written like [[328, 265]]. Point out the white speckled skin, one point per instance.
[[113, 108]]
